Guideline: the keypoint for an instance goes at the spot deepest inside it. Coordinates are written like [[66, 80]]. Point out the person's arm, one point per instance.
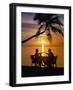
[[46, 53], [52, 55]]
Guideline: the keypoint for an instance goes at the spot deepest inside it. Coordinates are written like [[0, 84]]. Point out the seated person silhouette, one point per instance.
[[38, 58], [50, 58]]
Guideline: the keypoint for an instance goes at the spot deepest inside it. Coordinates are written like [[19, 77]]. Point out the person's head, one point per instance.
[[37, 50], [49, 50]]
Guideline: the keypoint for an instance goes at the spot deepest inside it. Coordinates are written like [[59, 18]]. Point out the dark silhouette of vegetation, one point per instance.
[[47, 23]]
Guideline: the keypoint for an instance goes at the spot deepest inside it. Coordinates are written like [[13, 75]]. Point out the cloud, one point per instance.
[[29, 26]]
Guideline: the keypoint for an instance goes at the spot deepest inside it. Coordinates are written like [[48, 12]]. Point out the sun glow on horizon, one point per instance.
[[43, 50]]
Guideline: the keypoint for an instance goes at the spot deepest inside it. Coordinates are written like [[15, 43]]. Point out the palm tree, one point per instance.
[[47, 23]]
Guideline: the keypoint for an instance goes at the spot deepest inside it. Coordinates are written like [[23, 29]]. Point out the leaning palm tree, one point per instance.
[[47, 23]]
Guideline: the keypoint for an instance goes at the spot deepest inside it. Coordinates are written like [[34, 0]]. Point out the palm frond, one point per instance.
[[46, 26], [54, 18], [54, 29], [56, 21], [41, 27], [49, 36], [59, 22], [39, 30]]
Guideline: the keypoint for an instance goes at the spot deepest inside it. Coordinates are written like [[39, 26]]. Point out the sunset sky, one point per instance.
[[29, 28]]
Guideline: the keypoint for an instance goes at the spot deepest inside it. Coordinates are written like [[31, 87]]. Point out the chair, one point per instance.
[[54, 61], [33, 59]]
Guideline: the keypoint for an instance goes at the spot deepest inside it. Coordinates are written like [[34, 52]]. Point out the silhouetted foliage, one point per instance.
[[47, 23]]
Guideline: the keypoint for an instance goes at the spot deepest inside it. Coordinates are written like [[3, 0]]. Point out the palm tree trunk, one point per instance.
[[32, 37]]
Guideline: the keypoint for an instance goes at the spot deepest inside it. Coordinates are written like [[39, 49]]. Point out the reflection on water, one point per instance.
[[30, 50]]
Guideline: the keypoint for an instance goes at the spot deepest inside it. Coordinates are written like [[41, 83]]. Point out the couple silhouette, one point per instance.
[[39, 59]]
